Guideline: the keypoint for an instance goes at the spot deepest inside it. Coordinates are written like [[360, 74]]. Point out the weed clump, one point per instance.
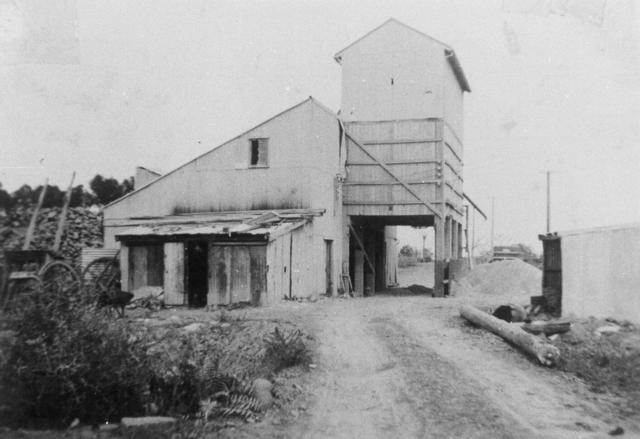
[[284, 349]]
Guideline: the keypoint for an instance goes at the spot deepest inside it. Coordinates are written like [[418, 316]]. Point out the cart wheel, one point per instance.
[[20, 293], [61, 278], [100, 277]]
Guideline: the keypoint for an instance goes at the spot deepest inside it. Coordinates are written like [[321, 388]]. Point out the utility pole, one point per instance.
[[493, 216], [548, 201]]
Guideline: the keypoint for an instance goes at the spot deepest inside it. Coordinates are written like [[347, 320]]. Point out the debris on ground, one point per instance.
[[150, 302], [411, 290], [607, 362], [618, 431], [608, 329], [420, 289], [547, 328], [510, 313]]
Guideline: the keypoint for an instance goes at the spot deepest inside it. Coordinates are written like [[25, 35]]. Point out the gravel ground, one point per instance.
[[410, 367]]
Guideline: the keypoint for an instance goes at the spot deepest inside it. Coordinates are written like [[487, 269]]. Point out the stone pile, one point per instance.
[[83, 228]]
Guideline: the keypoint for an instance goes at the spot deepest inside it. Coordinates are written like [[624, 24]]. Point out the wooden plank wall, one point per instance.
[[278, 255], [236, 273], [409, 149], [174, 292]]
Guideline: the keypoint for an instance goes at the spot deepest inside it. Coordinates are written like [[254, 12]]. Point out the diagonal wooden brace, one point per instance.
[[364, 252], [427, 204]]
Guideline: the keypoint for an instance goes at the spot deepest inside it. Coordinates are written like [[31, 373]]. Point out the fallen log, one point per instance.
[[545, 353], [547, 328]]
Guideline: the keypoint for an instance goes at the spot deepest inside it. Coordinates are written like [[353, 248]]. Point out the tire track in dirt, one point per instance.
[[356, 391], [449, 403]]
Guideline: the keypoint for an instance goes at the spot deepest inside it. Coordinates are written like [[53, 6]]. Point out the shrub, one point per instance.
[[69, 362], [407, 261], [284, 350]]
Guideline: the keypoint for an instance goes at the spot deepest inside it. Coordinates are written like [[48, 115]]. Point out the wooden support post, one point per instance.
[[447, 238], [63, 215], [466, 237], [459, 249], [34, 217], [358, 274], [438, 287], [439, 224], [454, 239]]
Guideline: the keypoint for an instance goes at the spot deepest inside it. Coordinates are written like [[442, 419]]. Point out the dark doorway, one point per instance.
[[328, 268], [197, 270]]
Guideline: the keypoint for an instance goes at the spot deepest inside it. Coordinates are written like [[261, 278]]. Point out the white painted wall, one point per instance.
[[415, 63], [453, 101], [601, 273], [304, 150]]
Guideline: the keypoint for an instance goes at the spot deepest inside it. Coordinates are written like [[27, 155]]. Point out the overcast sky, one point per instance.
[[103, 86]]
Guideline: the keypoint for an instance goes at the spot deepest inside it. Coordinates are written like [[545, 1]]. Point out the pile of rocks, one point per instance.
[[83, 228]]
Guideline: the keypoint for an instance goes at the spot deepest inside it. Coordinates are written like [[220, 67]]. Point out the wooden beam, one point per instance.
[[455, 135], [453, 189], [453, 151], [383, 203], [388, 183], [63, 215], [474, 206], [399, 141], [450, 166], [386, 168], [32, 223], [395, 162], [545, 353], [361, 245]]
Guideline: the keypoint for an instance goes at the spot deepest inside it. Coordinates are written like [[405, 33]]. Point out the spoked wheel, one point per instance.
[[61, 285], [101, 277], [60, 277]]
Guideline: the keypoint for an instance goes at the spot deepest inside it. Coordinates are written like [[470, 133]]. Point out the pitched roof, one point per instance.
[[449, 53], [310, 99]]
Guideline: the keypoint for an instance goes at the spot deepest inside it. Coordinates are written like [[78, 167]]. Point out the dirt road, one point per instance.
[[410, 367]]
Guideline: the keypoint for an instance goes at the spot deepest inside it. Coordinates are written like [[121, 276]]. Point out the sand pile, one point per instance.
[[513, 278]]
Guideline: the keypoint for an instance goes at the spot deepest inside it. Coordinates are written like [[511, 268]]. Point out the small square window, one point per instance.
[[259, 152]]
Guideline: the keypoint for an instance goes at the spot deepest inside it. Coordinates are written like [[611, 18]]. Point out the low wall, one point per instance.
[[601, 273]]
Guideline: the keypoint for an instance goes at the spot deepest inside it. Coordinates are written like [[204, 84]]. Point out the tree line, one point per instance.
[[101, 191]]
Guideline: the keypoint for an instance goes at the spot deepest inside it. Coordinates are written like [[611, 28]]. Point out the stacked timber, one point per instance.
[[83, 228]]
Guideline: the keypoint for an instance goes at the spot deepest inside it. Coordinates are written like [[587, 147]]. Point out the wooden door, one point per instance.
[[240, 275], [328, 268], [237, 273], [174, 273], [145, 266]]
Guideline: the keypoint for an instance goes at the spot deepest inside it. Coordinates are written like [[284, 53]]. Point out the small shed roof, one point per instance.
[[257, 225]]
